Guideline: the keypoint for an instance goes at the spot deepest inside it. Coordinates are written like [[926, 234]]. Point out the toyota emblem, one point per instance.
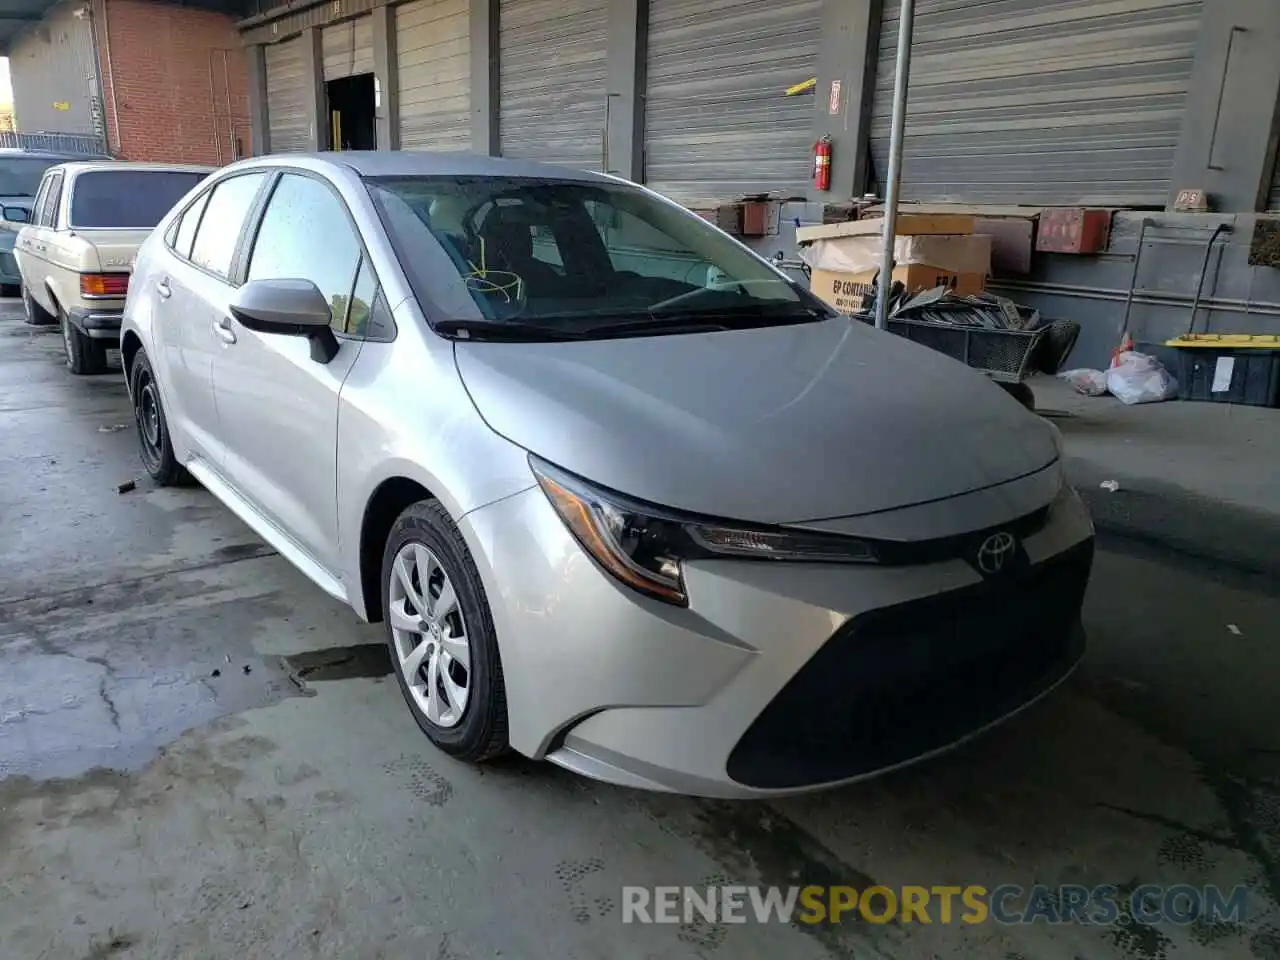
[[996, 552]]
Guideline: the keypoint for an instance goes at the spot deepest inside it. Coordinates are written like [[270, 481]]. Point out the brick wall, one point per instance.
[[174, 81]]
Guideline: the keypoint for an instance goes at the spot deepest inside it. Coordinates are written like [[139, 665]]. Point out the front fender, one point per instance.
[[389, 429]]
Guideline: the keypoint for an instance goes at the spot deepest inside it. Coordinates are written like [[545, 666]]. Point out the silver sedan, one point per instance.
[[625, 496]]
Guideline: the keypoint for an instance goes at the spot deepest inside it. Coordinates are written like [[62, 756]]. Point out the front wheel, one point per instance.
[[85, 355], [440, 632], [154, 442]]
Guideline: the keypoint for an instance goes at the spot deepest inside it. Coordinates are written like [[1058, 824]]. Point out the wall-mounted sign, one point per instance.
[[61, 105], [833, 107]]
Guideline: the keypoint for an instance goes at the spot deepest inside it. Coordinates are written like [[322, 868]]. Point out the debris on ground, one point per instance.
[[127, 486], [1234, 629], [114, 428], [1132, 378], [1139, 378], [1111, 486], [1092, 383]]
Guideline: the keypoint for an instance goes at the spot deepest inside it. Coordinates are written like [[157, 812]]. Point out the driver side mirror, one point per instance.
[[17, 214], [294, 308]]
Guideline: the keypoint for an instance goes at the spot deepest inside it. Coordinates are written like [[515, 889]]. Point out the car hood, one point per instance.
[[776, 425]]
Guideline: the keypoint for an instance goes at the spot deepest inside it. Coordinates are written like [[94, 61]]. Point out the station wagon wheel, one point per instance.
[[84, 354], [441, 637]]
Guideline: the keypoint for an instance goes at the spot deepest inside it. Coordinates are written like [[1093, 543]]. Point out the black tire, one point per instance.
[[35, 314], [1022, 393], [85, 356], [481, 733], [154, 444]]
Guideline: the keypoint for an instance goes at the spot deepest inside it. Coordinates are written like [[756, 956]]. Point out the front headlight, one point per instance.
[[644, 546]]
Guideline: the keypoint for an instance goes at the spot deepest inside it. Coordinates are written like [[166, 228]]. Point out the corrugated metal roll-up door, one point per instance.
[[1273, 201], [1039, 101], [433, 55], [287, 121], [347, 48], [554, 81], [54, 76], [718, 125]]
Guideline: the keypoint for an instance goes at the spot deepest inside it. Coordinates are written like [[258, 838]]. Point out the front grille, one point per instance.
[[901, 681]]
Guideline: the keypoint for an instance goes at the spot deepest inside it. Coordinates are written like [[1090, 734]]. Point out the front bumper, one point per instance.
[[97, 324], [778, 678]]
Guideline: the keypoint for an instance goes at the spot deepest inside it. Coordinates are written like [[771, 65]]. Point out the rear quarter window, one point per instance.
[[127, 199]]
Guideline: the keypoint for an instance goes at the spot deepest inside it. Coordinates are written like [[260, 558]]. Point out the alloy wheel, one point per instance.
[[430, 635]]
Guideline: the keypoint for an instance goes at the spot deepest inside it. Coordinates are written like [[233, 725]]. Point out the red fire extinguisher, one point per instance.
[[822, 164]]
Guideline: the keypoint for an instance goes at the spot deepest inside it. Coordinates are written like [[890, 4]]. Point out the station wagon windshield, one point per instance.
[[578, 258], [20, 176], [128, 199]]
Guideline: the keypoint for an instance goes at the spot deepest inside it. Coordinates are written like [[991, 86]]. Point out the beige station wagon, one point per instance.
[[76, 254]]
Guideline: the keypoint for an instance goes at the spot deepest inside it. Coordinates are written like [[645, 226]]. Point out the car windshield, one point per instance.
[[544, 255], [128, 199], [20, 176]]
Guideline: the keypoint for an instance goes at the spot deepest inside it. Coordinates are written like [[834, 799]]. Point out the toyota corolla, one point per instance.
[[624, 496]]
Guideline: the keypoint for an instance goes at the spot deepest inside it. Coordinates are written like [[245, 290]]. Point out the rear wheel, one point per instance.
[[84, 354], [155, 445], [33, 313], [440, 632]]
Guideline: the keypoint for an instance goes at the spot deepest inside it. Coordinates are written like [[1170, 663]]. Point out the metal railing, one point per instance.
[[81, 144]]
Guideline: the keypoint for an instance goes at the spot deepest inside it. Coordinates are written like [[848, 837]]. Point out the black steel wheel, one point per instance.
[[154, 444]]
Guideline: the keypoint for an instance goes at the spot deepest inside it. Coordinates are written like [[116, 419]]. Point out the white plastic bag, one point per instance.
[[1092, 383], [1139, 378]]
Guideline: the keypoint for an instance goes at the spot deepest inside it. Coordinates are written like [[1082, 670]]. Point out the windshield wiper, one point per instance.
[[692, 321], [497, 330]]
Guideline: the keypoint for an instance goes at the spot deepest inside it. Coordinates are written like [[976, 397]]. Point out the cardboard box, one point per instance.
[[908, 225], [845, 291], [953, 254]]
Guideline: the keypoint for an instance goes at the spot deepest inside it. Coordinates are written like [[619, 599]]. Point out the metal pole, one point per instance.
[[902, 71]]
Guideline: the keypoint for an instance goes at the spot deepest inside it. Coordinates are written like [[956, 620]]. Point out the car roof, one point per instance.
[[84, 166], [408, 163], [48, 154]]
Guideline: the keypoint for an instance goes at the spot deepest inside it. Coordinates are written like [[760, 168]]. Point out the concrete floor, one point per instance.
[[167, 791]]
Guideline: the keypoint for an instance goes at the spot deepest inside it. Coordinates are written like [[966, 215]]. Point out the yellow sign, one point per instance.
[[61, 105]]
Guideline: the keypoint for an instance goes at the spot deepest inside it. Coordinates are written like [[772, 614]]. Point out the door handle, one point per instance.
[[222, 327], [163, 288]]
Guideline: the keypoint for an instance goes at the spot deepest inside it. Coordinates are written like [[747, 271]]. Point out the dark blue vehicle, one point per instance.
[[20, 173]]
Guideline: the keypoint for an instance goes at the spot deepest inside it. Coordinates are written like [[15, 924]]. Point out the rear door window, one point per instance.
[[187, 224], [218, 235], [127, 199], [49, 209]]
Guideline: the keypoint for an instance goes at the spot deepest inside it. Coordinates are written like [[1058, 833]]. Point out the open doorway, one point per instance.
[[351, 113]]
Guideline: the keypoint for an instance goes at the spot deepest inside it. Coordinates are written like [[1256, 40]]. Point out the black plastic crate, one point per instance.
[[1255, 376]]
